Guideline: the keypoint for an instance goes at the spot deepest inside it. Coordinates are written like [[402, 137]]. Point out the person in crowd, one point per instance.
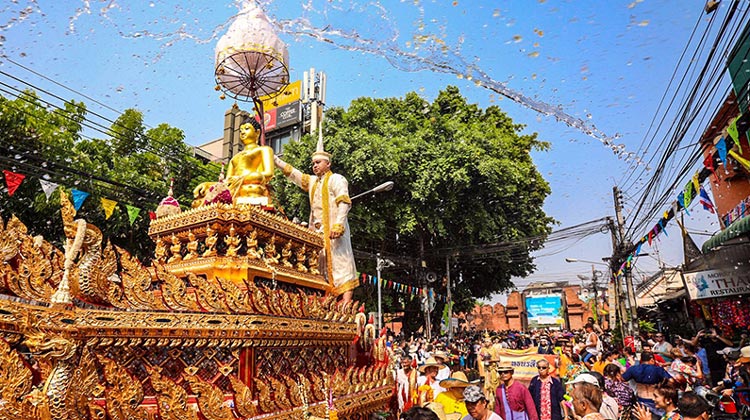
[[617, 388], [665, 397], [605, 358], [662, 347], [730, 354], [712, 341], [587, 397], [545, 346], [442, 357], [428, 387], [452, 399], [406, 383], [564, 359], [419, 413], [686, 369], [476, 405], [609, 409], [647, 375], [693, 407], [630, 359], [592, 346], [512, 399], [547, 392], [738, 384]]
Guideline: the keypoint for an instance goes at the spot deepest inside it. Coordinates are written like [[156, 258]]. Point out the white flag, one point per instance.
[[48, 187]]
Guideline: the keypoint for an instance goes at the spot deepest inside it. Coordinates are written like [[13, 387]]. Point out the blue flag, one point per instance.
[[78, 198]]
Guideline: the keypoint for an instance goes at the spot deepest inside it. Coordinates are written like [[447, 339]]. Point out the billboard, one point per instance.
[[544, 311], [717, 283], [292, 92]]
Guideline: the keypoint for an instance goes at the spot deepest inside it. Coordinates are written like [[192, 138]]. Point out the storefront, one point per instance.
[[721, 296]]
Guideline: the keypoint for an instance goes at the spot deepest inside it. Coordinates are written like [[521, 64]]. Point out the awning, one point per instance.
[[736, 229]]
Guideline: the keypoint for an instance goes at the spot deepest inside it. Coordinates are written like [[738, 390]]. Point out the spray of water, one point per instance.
[[427, 49]]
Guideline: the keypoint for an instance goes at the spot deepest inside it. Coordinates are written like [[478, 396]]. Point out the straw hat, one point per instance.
[[744, 355], [457, 380], [504, 366], [430, 362], [436, 408], [441, 354]]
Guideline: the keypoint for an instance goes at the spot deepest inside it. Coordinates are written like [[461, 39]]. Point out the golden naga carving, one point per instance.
[[15, 387], [265, 400], [210, 398], [172, 398], [280, 393], [243, 397], [209, 295], [175, 292], [124, 393], [60, 353]]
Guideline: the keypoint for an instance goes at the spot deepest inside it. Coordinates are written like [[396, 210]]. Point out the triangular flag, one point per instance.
[[78, 198], [696, 184], [721, 149], [733, 133], [12, 181], [681, 200], [108, 206], [742, 161], [638, 248], [708, 163], [650, 237], [688, 193], [661, 225], [132, 212], [48, 187]]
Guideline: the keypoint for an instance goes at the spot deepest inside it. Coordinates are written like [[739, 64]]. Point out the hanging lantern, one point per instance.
[[251, 59]]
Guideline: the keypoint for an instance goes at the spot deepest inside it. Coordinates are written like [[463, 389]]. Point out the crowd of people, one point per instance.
[[583, 375]]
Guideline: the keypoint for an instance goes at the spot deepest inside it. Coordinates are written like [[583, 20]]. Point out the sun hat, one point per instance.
[[441, 354], [473, 394], [585, 378], [457, 380], [436, 408], [504, 366], [744, 355], [430, 362], [727, 350]]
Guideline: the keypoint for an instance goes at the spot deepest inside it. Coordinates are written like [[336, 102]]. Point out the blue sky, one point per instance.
[[606, 63]]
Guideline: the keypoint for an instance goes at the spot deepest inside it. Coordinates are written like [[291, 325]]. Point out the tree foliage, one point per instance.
[[464, 178], [132, 165]]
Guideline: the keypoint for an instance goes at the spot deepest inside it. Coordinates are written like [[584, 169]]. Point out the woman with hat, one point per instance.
[[427, 385], [452, 399]]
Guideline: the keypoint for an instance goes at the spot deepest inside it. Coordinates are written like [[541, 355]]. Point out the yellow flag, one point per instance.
[[108, 206], [744, 162], [696, 183]]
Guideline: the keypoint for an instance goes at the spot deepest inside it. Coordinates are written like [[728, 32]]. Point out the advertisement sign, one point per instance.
[[288, 114], [544, 311], [524, 363], [717, 283], [270, 119], [292, 92]]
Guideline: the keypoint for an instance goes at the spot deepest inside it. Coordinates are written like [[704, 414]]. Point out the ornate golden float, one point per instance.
[[231, 321]]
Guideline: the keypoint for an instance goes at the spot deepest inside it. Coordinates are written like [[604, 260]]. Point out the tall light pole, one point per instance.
[[594, 278], [381, 263]]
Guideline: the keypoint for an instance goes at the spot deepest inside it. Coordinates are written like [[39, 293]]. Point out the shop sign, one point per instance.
[[717, 283], [288, 114], [269, 119], [291, 92]]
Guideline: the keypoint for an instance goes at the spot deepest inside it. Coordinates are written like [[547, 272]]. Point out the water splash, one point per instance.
[[428, 47]]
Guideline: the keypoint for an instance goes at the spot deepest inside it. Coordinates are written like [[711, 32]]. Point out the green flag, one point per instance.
[[132, 213], [734, 133]]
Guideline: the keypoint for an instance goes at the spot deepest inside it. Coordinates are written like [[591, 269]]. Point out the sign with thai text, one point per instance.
[[717, 283], [524, 363], [292, 92]]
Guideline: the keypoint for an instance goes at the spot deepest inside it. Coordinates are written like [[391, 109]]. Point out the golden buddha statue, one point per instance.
[[233, 242], [270, 250], [175, 249], [252, 245], [301, 259], [286, 255], [192, 247], [160, 252], [248, 172], [211, 239]]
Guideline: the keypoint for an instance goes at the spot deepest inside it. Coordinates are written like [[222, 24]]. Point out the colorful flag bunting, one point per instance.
[[48, 187], [688, 197], [108, 206], [706, 201], [708, 163], [663, 229], [721, 149], [744, 162], [12, 181], [78, 198], [681, 200], [132, 213], [733, 133], [696, 184]]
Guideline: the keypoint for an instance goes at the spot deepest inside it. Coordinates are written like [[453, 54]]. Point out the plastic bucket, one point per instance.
[[728, 405]]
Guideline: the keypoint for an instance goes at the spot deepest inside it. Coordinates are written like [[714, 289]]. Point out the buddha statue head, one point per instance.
[[249, 130]]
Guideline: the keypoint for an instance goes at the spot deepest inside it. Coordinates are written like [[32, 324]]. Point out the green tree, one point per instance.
[[464, 178], [131, 165]]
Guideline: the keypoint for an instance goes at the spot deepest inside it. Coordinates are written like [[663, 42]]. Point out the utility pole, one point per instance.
[[594, 278], [616, 298], [633, 311]]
